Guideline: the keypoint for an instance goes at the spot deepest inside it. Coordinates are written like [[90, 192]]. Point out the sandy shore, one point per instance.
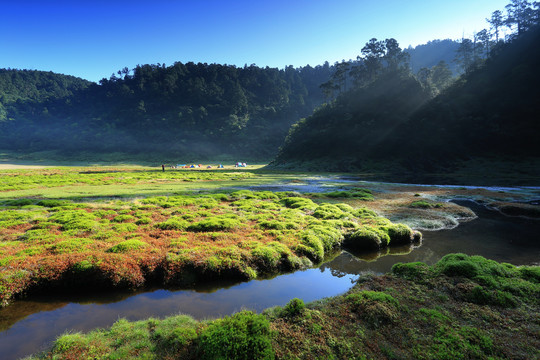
[[20, 166]]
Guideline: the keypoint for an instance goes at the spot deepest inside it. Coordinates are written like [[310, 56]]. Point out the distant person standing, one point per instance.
[[162, 167]]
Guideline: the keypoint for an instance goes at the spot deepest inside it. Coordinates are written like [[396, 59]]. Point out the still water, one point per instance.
[[30, 325]]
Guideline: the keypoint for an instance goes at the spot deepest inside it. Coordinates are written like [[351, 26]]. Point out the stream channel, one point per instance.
[[30, 325]]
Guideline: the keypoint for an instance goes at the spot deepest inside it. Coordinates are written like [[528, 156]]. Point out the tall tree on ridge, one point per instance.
[[465, 54], [521, 14], [483, 38], [497, 22], [395, 57], [340, 75], [373, 53]]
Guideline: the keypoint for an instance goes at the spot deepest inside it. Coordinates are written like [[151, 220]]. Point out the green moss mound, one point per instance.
[[360, 194], [244, 336], [411, 271], [128, 245], [173, 223], [367, 238], [217, 223]]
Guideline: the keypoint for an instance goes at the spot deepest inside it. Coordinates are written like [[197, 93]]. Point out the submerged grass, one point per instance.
[[416, 312]]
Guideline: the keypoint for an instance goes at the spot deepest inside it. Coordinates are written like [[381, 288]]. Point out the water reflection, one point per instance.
[[40, 320]]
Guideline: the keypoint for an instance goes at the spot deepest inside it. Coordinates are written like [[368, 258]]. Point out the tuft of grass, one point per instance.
[[411, 271], [377, 308], [293, 308], [243, 336], [298, 203], [128, 245], [173, 223], [358, 193], [75, 220], [423, 204], [367, 238], [216, 223]]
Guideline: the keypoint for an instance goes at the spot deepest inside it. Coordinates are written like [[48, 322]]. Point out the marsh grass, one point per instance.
[[172, 237], [418, 312]]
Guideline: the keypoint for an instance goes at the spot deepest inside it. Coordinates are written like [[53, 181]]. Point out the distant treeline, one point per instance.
[[188, 108]]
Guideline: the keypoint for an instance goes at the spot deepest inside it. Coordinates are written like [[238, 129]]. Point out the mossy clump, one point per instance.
[[247, 194], [143, 221], [51, 203], [530, 273], [498, 283], [376, 307], [482, 296], [400, 234], [83, 266], [174, 333], [123, 218], [243, 336], [70, 246], [358, 193], [329, 211], [277, 225], [19, 202], [293, 308], [38, 235], [75, 220], [329, 236], [367, 238], [124, 227], [216, 223], [128, 245], [298, 203], [458, 265], [266, 256], [411, 271], [173, 223], [365, 213], [423, 204]]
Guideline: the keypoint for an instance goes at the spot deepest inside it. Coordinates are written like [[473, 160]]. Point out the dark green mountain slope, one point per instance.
[[184, 110], [355, 125], [18, 86], [492, 112], [37, 85]]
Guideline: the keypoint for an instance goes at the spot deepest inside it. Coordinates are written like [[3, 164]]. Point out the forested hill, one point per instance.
[[184, 110], [35, 86], [492, 112]]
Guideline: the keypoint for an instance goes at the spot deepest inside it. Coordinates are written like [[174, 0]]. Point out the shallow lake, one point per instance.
[[30, 325]]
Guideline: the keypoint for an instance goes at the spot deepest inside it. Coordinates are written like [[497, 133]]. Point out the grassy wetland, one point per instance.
[[102, 228], [178, 237], [463, 307]]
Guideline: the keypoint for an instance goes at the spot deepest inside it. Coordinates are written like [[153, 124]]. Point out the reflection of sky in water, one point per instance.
[[42, 327], [332, 183]]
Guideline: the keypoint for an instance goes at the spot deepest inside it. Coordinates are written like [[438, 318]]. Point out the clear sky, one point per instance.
[[94, 38]]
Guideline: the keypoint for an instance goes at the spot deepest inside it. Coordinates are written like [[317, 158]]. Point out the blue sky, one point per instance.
[[93, 39]]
